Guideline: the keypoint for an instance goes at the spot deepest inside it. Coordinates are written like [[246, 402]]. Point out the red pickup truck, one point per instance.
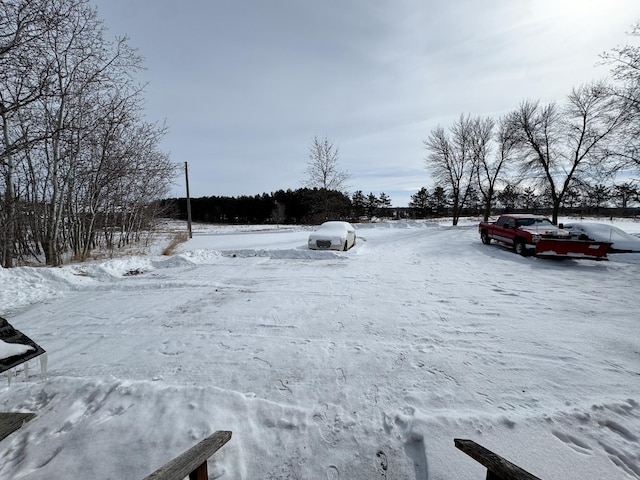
[[535, 234]]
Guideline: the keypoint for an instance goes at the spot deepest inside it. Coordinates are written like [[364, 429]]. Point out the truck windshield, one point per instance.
[[534, 222]]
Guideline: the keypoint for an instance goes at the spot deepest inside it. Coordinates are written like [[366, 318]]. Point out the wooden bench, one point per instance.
[[497, 467], [193, 462]]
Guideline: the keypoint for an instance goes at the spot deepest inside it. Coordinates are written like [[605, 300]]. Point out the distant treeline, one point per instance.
[[312, 206], [301, 206]]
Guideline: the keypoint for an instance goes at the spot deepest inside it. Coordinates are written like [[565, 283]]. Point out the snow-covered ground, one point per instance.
[[329, 365]]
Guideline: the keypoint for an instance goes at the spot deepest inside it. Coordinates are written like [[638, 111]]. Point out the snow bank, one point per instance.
[[359, 364]]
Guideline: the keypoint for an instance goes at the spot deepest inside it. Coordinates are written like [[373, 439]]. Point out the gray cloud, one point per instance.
[[245, 85]]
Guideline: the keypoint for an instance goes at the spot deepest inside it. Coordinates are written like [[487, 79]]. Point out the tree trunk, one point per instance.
[[8, 246], [555, 211], [487, 211]]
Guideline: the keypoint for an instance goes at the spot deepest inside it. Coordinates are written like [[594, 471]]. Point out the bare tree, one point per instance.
[[561, 145], [625, 59], [625, 63], [323, 171], [624, 193], [83, 66], [122, 155], [491, 162], [452, 161], [21, 83], [76, 154]]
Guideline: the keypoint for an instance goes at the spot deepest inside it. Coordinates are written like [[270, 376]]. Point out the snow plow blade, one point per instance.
[[572, 248]]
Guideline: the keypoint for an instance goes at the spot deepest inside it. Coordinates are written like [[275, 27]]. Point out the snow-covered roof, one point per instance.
[[523, 215]]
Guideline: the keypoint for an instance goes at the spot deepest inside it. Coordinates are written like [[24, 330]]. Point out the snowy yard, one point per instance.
[[329, 365]]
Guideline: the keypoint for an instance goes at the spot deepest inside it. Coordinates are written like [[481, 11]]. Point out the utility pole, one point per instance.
[[186, 174]]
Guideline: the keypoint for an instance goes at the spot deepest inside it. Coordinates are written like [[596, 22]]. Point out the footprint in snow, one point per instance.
[[262, 362], [381, 463], [284, 389], [333, 473]]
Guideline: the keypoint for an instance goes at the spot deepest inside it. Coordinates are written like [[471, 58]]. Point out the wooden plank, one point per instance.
[[201, 473], [497, 467], [192, 460], [10, 422]]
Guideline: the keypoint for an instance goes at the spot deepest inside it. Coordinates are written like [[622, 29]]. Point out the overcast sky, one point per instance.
[[245, 85]]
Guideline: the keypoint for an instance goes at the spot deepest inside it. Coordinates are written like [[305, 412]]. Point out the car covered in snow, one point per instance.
[[334, 235], [621, 241]]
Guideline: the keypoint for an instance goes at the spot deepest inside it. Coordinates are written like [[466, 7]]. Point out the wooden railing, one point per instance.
[[193, 462], [497, 467]]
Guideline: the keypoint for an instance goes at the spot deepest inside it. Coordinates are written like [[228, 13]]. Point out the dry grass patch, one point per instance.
[[177, 239]]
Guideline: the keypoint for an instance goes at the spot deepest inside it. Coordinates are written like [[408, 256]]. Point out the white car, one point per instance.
[[333, 236], [621, 241]]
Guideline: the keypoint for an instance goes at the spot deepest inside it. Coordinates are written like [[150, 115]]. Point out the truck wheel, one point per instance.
[[519, 247], [484, 236]]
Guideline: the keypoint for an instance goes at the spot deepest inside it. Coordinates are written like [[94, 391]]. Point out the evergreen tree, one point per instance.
[[358, 203], [421, 202], [439, 200], [385, 204], [372, 203]]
